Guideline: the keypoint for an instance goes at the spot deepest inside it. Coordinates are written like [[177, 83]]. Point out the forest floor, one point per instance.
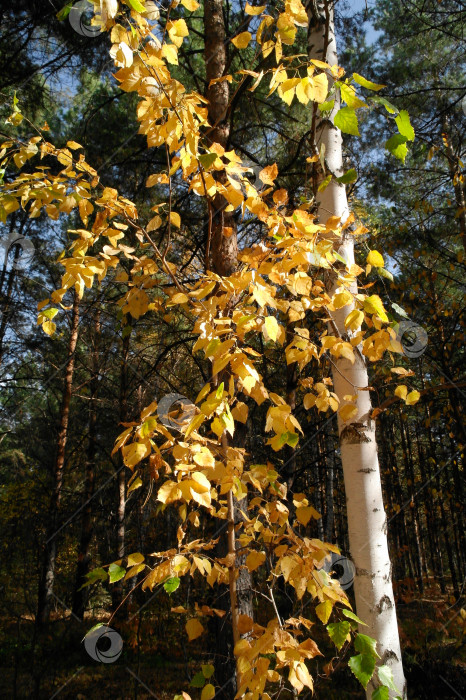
[[432, 633]]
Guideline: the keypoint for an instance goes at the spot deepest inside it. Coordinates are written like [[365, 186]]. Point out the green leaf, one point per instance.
[[391, 109], [363, 667], [148, 427], [399, 310], [208, 670], [327, 106], [386, 677], [172, 584], [352, 616], [347, 121], [198, 680], [135, 5], [384, 273], [404, 125], [219, 392], [365, 644], [50, 313], [338, 631], [324, 184], [292, 439], [64, 12], [396, 144], [115, 572], [380, 693], [207, 159], [350, 176], [360, 80], [98, 574]]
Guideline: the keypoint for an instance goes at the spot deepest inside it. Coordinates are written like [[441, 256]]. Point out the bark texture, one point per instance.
[[222, 245]]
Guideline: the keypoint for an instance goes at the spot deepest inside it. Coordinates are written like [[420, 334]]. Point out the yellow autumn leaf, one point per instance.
[[179, 298], [324, 610], [49, 327], [254, 560], [251, 10], [271, 327], [320, 88], [347, 412], [134, 453], [177, 31], [269, 174], [242, 40], [240, 412], [170, 52], [305, 513], [73, 145], [374, 305], [342, 299], [169, 492], [194, 628], [190, 5], [137, 303], [412, 398], [136, 484], [65, 157], [375, 259], [354, 319], [135, 558], [401, 391], [175, 219], [245, 624], [208, 692], [134, 571]]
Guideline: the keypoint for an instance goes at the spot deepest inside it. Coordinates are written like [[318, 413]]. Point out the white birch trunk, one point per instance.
[[367, 525]]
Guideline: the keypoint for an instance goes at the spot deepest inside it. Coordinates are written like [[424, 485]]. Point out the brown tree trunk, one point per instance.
[[221, 257], [80, 596], [48, 567], [222, 244], [118, 588]]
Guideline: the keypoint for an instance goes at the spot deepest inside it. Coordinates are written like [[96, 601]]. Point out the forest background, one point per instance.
[[415, 214]]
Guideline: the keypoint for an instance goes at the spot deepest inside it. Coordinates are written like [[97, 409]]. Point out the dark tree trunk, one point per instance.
[[48, 567], [118, 588], [80, 596]]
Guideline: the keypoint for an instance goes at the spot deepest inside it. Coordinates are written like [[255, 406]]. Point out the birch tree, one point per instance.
[[241, 317], [367, 522]]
